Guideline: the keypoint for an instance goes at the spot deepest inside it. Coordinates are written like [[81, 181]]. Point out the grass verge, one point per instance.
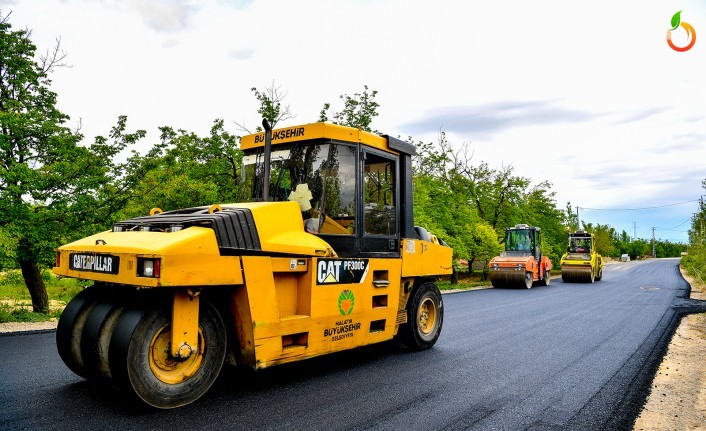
[[16, 303], [465, 282]]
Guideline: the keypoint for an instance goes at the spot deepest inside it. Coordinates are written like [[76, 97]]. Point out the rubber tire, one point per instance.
[[546, 279], [410, 333], [129, 356], [95, 340], [69, 329], [599, 276], [528, 280], [119, 342]]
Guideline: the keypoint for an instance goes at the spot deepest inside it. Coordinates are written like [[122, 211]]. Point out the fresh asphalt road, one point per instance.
[[565, 356]]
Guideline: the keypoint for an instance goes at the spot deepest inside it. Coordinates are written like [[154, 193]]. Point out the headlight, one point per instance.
[[147, 267]]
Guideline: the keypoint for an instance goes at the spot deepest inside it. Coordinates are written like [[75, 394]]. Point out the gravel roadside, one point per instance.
[[13, 327], [677, 400]]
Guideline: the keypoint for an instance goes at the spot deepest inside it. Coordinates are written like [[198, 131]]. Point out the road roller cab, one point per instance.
[[522, 263], [324, 258], [581, 262]]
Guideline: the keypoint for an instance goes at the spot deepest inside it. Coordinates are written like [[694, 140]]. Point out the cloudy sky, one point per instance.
[[587, 95]]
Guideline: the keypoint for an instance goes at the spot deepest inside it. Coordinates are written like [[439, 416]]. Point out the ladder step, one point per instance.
[[294, 317], [293, 347]]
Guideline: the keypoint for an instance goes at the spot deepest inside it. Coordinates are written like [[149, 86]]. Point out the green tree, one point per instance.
[[572, 218], [668, 249], [538, 208], [358, 110], [42, 165], [51, 187], [604, 238], [189, 171], [695, 260], [441, 202], [271, 106], [496, 194], [697, 233], [485, 245]]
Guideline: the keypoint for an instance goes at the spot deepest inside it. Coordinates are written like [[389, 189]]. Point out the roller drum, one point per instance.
[[577, 274], [502, 279]]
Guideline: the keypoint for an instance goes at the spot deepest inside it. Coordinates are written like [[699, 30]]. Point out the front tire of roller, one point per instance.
[[528, 280], [142, 361], [425, 312], [70, 328], [546, 279], [95, 340]]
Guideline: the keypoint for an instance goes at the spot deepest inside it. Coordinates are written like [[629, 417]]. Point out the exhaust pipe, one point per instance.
[[266, 175]]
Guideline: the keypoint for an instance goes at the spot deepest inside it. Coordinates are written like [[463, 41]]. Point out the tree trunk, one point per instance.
[[454, 277], [470, 265], [35, 285]]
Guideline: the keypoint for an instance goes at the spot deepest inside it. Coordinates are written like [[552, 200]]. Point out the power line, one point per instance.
[[639, 209], [672, 228]]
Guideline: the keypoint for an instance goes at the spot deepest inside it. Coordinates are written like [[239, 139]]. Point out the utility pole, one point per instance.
[[653, 242], [701, 219], [578, 219], [696, 229], [634, 230]]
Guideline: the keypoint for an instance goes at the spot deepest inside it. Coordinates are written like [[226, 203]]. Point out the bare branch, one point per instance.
[[242, 128], [53, 59]]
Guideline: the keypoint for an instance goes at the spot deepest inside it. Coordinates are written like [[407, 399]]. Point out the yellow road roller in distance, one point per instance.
[[581, 263]]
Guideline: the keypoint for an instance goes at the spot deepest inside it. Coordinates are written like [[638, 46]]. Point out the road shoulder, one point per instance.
[[677, 397]]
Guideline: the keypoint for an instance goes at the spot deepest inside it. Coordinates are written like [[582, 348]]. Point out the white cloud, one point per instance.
[[165, 15], [242, 54]]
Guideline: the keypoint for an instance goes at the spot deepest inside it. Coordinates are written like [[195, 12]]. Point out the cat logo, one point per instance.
[[341, 271]]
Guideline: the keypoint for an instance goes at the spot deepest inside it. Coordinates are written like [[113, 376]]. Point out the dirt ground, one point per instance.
[[29, 326], [677, 399]]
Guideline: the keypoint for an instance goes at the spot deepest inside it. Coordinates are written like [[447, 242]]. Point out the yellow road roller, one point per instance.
[[522, 263], [581, 263], [325, 257]]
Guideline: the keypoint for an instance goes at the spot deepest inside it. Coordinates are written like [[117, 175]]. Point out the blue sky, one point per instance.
[[587, 96]]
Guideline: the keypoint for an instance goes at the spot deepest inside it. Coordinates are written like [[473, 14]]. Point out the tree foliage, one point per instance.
[[358, 110], [43, 171], [52, 189], [695, 260], [188, 170], [271, 107]]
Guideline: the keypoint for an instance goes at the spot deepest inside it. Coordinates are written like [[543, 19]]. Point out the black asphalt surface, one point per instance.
[[565, 356]]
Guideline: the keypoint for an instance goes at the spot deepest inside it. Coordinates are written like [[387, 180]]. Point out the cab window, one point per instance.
[[379, 196]]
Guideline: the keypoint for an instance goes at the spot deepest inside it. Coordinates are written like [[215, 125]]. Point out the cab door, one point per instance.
[[379, 212]]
